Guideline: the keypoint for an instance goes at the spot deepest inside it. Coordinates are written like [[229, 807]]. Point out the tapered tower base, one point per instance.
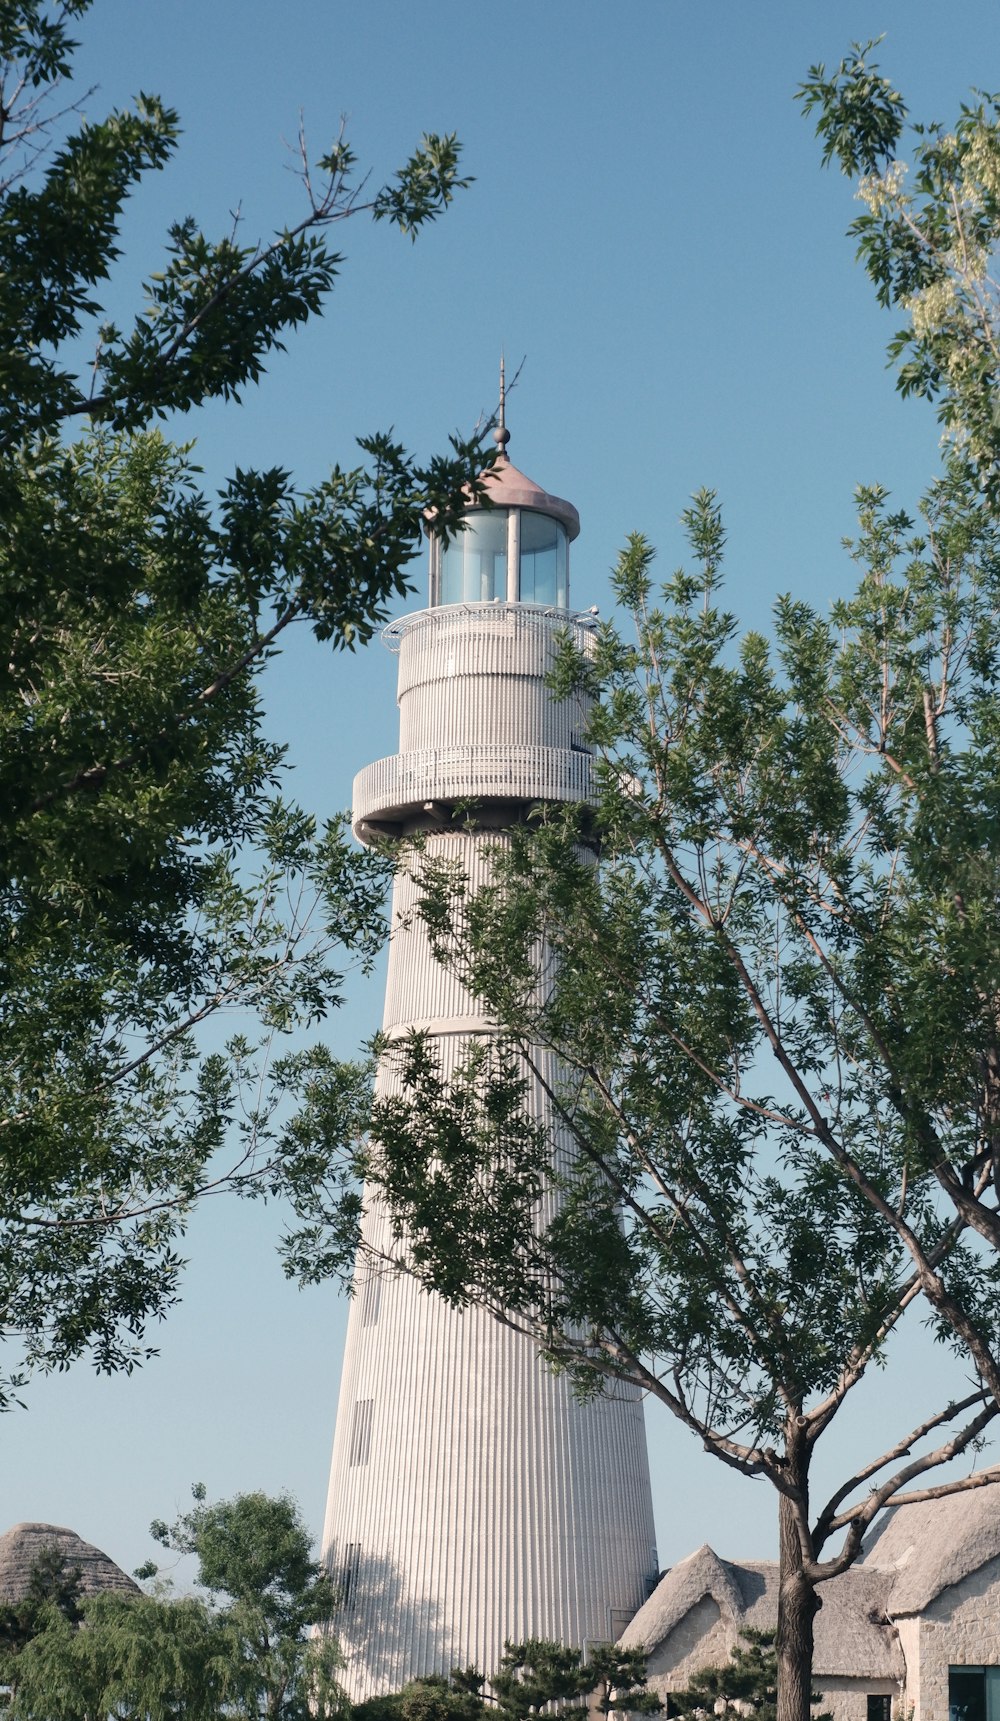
[[473, 1500]]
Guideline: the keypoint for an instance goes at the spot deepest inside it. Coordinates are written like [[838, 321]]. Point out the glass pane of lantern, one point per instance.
[[543, 561], [474, 566]]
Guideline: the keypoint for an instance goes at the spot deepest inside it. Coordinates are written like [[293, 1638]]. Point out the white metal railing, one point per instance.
[[447, 616], [392, 787]]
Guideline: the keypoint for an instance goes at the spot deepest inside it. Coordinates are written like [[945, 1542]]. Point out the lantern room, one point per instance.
[[514, 551]]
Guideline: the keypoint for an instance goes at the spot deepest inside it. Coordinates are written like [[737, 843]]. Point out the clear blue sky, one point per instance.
[[650, 226]]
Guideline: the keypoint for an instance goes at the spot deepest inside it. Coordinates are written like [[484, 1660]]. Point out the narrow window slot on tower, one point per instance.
[[371, 1301], [348, 1573], [361, 1431]]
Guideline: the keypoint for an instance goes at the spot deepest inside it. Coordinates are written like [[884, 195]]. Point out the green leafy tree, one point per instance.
[[740, 1219], [618, 1680], [255, 1552], [52, 1597], [929, 246], [533, 1677], [928, 240], [153, 880], [775, 1005], [139, 1658], [52, 1585], [536, 1673], [746, 1686], [215, 310], [459, 1697]]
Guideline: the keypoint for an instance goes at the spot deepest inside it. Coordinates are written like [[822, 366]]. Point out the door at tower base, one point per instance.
[[473, 1499]]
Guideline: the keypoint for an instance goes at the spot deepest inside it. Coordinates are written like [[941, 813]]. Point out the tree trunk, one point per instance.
[[798, 1605]]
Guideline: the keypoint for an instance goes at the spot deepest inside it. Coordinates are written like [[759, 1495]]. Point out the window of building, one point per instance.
[[879, 1707], [974, 1694], [348, 1573], [371, 1300], [361, 1431]]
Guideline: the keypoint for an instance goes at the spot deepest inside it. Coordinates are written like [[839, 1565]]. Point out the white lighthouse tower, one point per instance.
[[473, 1500]]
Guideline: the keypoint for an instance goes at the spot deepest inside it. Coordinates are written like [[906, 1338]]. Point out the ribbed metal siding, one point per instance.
[[477, 720], [491, 1505], [478, 678], [474, 711], [484, 639], [420, 991]]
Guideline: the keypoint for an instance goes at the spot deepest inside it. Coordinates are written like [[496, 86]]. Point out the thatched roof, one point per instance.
[[21, 1548], [914, 1555], [853, 1636], [678, 1591], [935, 1543]]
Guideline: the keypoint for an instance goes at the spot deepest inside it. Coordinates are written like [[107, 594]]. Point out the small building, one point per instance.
[[23, 1546], [944, 1603], [910, 1633]]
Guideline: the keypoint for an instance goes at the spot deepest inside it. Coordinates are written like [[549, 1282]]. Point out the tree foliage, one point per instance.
[[532, 1677], [535, 1673], [747, 1685], [143, 1657], [775, 1003], [928, 240], [153, 877], [155, 1658], [53, 1591], [459, 1697], [254, 1551], [726, 995], [247, 1652], [216, 308]]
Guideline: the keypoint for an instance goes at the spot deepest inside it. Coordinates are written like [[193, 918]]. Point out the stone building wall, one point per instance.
[[961, 1628], [847, 1699]]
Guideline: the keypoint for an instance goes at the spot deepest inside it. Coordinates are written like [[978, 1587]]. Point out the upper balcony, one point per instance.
[[425, 788]]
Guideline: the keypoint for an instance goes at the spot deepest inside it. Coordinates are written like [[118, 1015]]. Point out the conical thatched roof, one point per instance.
[[854, 1638], [935, 1543], [23, 1546], [678, 1591]]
